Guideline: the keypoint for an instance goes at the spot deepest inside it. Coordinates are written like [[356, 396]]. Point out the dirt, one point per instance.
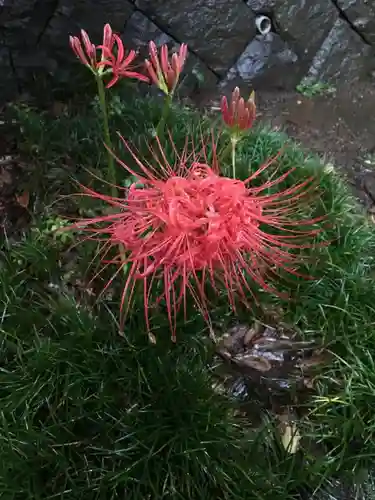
[[339, 127], [14, 213]]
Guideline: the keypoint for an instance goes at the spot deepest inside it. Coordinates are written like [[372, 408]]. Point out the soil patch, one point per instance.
[[340, 127], [14, 213]]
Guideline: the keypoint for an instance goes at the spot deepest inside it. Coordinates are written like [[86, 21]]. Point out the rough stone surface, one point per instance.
[[196, 77], [73, 15], [37, 34], [8, 81], [140, 30], [324, 39], [25, 17], [261, 6], [216, 30], [262, 58], [306, 23], [342, 55], [361, 14]]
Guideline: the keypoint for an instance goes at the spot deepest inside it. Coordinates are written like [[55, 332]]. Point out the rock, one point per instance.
[[216, 31], [8, 81], [263, 59], [196, 77], [361, 14], [91, 15], [304, 23], [342, 53], [23, 17], [262, 6], [37, 35], [12, 9], [139, 31]]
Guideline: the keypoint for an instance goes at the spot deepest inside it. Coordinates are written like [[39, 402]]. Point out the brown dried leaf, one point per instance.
[[5, 177], [252, 333], [308, 383], [290, 437], [233, 340], [314, 361], [255, 362], [23, 199], [152, 338], [58, 108]]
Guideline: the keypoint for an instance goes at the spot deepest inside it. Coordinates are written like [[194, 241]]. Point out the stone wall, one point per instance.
[[322, 40]]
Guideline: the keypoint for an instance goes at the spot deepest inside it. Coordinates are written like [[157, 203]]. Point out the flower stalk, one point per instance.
[[164, 116], [233, 141], [106, 134]]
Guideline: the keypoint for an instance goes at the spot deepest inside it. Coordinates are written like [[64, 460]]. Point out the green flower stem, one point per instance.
[[106, 134], [111, 162], [230, 151], [234, 141], [166, 109]]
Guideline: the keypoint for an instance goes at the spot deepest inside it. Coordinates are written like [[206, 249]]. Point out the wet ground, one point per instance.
[[339, 126], [14, 172]]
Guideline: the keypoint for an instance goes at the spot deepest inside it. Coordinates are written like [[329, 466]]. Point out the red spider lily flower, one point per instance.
[[165, 74], [87, 51], [189, 228], [120, 63], [239, 114]]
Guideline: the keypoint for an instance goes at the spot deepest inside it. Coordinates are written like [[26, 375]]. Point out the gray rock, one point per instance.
[[12, 9], [91, 15], [361, 14], [8, 81], [196, 76], [264, 56], [343, 55], [37, 34], [262, 6], [305, 23], [139, 31], [217, 31], [23, 17]]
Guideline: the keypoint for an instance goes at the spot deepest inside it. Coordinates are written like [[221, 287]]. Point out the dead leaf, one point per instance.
[[255, 362], [5, 177], [308, 383], [23, 199], [315, 360], [233, 340], [252, 333], [290, 436], [5, 160], [58, 108]]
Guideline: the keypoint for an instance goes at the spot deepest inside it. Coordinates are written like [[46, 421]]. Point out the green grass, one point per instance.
[[86, 413]]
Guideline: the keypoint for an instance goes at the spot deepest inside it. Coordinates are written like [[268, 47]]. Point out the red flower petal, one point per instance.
[[189, 226]]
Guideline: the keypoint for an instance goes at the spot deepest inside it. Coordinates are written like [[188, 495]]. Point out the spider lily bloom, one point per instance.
[[86, 51], [120, 63], [186, 227], [239, 115], [164, 73]]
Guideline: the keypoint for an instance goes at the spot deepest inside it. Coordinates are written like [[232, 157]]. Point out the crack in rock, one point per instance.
[[343, 15]]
